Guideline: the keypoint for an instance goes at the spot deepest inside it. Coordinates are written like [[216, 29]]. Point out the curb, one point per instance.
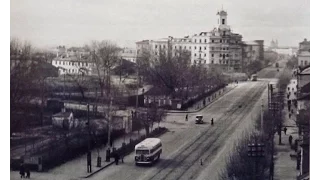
[[194, 111], [107, 165]]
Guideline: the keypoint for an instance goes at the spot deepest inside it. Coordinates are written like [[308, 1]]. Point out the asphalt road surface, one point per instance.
[[187, 143]]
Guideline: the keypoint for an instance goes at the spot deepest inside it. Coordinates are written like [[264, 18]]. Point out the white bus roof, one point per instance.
[[148, 143]]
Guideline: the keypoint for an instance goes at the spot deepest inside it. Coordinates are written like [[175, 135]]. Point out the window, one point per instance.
[[195, 54], [175, 47], [199, 55], [195, 61], [220, 40], [227, 55], [204, 61], [305, 63], [86, 64], [200, 48], [212, 55], [179, 47], [205, 55], [224, 33], [301, 62], [63, 62], [189, 47], [155, 53], [223, 21], [212, 62], [212, 41], [205, 48], [195, 40], [212, 48], [156, 46], [200, 40], [56, 62], [224, 56], [205, 40], [220, 55], [227, 48], [195, 47], [185, 47], [222, 48]]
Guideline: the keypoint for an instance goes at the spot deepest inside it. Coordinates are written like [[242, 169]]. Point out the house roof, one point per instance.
[[250, 43], [305, 70], [304, 97], [62, 114], [305, 88], [156, 91]]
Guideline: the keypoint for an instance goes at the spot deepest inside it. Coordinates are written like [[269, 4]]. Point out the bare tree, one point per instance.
[[105, 55], [148, 116]]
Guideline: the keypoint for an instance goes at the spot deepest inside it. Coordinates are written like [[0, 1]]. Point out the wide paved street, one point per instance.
[[187, 142]]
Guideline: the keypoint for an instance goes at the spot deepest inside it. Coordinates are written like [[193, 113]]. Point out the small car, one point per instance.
[[199, 119]]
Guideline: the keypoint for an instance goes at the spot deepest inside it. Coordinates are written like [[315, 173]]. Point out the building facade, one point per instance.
[[219, 46], [129, 54], [72, 62], [304, 53]]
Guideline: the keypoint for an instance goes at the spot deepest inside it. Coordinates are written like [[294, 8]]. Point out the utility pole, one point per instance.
[[89, 152], [262, 131], [137, 98]]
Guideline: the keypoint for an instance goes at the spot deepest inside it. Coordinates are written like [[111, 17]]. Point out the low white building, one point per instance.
[[64, 120], [73, 64]]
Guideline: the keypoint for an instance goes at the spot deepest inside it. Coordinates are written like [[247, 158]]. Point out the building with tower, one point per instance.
[[219, 46]]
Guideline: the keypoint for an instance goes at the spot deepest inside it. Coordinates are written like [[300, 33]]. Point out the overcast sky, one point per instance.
[[76, 22]]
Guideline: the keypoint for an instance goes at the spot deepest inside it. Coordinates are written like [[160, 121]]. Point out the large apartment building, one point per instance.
[[219, 46]]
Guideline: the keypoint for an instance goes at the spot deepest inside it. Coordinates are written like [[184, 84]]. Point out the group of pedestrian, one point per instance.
[[24, 171]]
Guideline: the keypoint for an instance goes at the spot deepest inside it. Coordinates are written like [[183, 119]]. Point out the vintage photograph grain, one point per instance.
[[160, 90]]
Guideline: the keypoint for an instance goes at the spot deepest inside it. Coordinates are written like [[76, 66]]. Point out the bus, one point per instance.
[[254, 77], [148, 151]]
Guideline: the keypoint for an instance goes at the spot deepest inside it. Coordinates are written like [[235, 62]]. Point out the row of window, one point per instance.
[[71, 63], [69, 70], [212, 55], [305, 63], [204, 62], [180, 47], [155, 148]]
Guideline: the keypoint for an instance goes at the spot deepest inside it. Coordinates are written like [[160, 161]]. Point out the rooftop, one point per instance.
[[149, 142]]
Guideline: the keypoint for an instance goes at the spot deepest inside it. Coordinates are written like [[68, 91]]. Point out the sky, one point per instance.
[[48, 23]]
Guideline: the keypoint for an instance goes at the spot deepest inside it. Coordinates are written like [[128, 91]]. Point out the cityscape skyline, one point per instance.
[[75, 23]]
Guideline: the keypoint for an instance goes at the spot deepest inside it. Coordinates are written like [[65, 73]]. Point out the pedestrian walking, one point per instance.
[[22, 170], [28, 172], [187, 117], [116, 158], [296, 145], [285, 130], [212, 122], [290, 140]]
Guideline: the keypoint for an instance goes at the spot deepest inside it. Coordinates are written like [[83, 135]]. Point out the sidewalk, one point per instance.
[[76, 168], [198, 106], [284, 165]]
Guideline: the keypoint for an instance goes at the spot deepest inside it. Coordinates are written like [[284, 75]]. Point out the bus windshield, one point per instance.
[[142, 152]]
